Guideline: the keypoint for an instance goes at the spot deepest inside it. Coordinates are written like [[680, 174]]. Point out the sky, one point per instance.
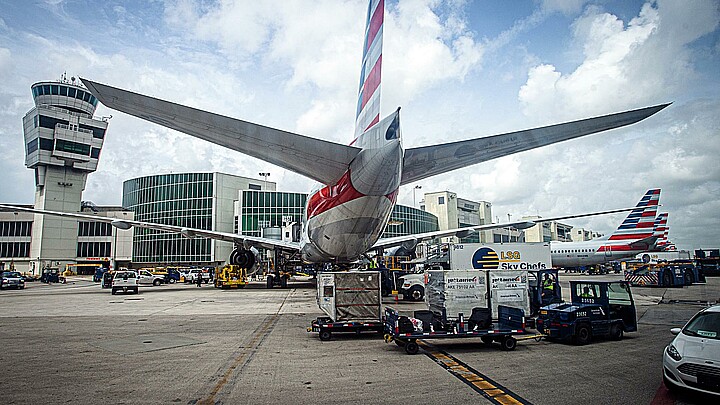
[[459, 70]]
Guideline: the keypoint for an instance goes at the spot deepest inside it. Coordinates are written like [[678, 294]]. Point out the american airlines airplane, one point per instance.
[[636, 234], [358, 183], [661, 231]]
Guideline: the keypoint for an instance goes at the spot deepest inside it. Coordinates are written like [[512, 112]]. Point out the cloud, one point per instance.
[[624, 66]]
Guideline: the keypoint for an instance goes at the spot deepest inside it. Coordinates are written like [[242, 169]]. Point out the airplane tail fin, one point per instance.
[[640, 223], [661, 231], [368, 104]]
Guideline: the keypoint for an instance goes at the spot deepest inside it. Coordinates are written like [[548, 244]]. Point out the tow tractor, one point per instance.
[[405, 331], [664, 275], [597, 308]]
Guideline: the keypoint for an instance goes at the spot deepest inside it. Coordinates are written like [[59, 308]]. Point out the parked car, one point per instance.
[[192, 275], [12, 279], [125, 281], [692, 360], [145, 277]]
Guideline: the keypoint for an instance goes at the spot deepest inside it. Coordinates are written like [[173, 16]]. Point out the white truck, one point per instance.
[[482, 256], [125, 281]]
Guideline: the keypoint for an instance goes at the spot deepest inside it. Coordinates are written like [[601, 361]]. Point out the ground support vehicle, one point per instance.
[[125, 281], [325, 327], [664, 275], [98, 275], [412, 286], [597, 308], [278, 279], [544, 289], [107, 279], [52, 275], [351, 300], [230, 276], [405, 331]]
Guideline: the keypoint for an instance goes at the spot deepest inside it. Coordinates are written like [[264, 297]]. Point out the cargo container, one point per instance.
[[352, 302], [453, 292]]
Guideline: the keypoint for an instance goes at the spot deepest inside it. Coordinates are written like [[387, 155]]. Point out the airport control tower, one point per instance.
[[62, 144]]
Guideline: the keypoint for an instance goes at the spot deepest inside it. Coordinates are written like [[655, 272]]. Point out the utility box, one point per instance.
[[350, 296], [452, 292]]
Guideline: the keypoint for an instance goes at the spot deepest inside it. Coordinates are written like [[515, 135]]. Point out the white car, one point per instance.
[[692, 360], [125, 281]]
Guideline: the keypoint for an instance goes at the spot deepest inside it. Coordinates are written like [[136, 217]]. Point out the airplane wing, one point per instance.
[[427, 161], [411, 240], [319, 160], [187, 232]]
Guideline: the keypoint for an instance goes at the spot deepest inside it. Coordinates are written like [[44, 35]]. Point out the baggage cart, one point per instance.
[[511, 322]]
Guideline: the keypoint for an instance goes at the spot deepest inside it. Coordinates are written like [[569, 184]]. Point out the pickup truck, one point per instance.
[[125, 281], [412, 286], [145, 277]]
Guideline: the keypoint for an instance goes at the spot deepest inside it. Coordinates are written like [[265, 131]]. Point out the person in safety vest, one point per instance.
[[586, 293], [548, 285]]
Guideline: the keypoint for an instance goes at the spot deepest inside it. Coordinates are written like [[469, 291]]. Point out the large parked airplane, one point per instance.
[[636, 234], [359, 182]]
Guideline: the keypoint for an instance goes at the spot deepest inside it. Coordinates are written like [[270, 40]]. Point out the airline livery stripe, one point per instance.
[[371, 83], [375, 23]]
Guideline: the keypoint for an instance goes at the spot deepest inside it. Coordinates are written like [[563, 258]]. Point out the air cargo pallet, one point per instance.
[[325, 327], [511, 322]]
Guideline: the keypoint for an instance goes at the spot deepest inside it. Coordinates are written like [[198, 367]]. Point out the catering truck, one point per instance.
[[352, 302], [482, 256]]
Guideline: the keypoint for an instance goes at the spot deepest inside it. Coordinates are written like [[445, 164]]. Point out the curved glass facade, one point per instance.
[[59, 89], [184, 199], [406, 220]]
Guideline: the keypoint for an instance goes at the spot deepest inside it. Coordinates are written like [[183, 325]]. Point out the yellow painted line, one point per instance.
[[485, 386]]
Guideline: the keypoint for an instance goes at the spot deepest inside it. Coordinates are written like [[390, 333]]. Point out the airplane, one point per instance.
[[636, 234], [358, 183], [662, 230]]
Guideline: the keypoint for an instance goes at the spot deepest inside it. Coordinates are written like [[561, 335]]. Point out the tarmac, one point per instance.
[[77, 343]]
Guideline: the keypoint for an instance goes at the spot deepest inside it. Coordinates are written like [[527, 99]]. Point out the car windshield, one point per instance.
[[11, 274], [705, 324]]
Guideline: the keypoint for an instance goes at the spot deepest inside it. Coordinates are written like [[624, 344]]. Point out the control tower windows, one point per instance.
[[60, 90], [72, 147], [32, 146], [50, 122], [97, 132], [46, 144]]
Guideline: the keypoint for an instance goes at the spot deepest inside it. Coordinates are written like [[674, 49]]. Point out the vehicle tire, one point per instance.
[[325, 335], [583, 334], [667, 279], [488, 340], [616, 331], [172, 281], [411, 347], [417, 293], [400, 343], [156, 282], [689, 277], [508, 343], [270, 282]]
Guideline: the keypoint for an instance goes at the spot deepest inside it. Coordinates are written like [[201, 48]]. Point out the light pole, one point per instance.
[[265, 176], [509, 228], [415, 189]]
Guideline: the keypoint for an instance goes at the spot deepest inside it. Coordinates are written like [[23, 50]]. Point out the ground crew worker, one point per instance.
[[586, 293], [548, 285], [199, 279]]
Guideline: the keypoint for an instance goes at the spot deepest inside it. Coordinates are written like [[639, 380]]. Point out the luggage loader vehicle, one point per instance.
[[597, 308], [405, 331]]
